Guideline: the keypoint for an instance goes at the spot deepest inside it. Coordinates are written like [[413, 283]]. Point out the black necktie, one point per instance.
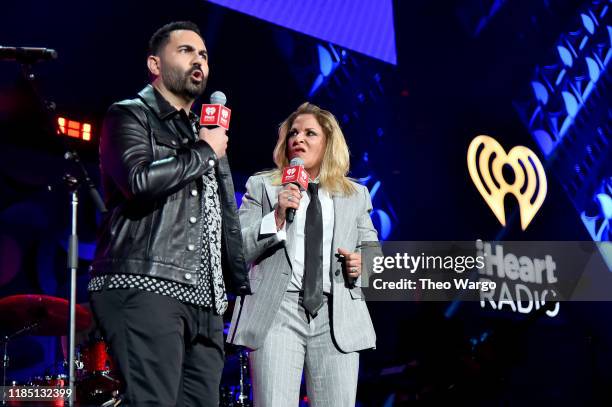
[[313, 253]]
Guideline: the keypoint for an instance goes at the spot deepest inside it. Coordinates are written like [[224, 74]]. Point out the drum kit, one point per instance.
[[97, 381]]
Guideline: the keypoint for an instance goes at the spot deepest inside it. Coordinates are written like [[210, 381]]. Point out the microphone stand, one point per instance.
[[245, 391], [73, 264], [73, 183]]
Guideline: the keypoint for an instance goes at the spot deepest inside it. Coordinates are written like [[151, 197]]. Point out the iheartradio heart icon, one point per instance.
[[486, 158], [215, 115], [295, 175]]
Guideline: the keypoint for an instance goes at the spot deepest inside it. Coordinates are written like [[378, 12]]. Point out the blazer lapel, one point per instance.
[[339, 210], [272, 193]]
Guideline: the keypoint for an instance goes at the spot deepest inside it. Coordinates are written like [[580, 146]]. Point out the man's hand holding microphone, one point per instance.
[[216, 139]]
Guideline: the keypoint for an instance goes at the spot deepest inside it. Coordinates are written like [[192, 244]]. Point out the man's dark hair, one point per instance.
[[161, 37]]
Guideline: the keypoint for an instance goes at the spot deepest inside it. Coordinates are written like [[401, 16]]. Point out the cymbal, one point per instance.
[[46, 314]]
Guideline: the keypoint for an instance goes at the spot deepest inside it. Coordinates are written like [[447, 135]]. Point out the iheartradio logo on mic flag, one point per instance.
[[295, 174], [215, 115]]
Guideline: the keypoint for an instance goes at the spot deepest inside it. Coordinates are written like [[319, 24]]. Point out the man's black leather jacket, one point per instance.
[[152, 171]]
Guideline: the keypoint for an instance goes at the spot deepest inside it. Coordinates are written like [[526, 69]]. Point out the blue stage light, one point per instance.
[[588, 23], [571, 104], [593, 69], [540, 92], [383, 221], [325, 61], [565, 55]]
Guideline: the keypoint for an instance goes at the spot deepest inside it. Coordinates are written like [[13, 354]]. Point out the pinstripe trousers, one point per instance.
[[296, 344]]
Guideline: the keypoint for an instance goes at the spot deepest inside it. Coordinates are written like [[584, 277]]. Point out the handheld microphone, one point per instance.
[[215, 113], [28, 55], [295, 174]]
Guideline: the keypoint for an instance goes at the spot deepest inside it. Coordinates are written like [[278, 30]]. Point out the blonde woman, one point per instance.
[[306, 313]]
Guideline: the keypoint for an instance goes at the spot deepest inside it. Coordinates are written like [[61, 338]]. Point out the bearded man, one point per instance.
[[171, 234]]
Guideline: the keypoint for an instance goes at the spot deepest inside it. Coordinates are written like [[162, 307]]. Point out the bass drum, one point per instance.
[[99, 382], [96, 359]]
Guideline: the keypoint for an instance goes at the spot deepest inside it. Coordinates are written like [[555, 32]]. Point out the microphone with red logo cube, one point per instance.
[[295, 174], [216, 113]]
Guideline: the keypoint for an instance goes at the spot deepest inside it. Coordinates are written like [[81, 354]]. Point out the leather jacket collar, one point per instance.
[[159, 105]]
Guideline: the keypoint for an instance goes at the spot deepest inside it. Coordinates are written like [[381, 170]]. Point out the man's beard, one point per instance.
[[181, 84]]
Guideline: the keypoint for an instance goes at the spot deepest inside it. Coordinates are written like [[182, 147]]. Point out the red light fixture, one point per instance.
[[73, 128]]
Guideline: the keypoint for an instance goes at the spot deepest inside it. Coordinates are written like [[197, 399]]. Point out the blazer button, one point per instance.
[[187, 276], [173, 142], [337, 272], [194, 192], [211, 162], [190, 247], [185, 140], [193, 219]]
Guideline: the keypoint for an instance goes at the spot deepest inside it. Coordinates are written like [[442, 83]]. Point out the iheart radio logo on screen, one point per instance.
[[486, 159]]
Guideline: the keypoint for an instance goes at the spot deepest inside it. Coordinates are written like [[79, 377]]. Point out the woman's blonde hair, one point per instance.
[[336, 163]]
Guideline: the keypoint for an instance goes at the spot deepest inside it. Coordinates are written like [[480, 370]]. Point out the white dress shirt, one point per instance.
[[268, 226]]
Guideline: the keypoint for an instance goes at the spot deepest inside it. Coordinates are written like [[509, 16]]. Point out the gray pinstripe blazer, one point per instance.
[[270, 268]]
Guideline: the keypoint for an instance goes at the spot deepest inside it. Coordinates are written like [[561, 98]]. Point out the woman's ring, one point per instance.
[[290, 198], [353, 269]]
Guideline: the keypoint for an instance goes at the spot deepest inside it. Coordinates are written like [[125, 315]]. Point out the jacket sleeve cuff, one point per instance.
[[207, 155], [268, 227]]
